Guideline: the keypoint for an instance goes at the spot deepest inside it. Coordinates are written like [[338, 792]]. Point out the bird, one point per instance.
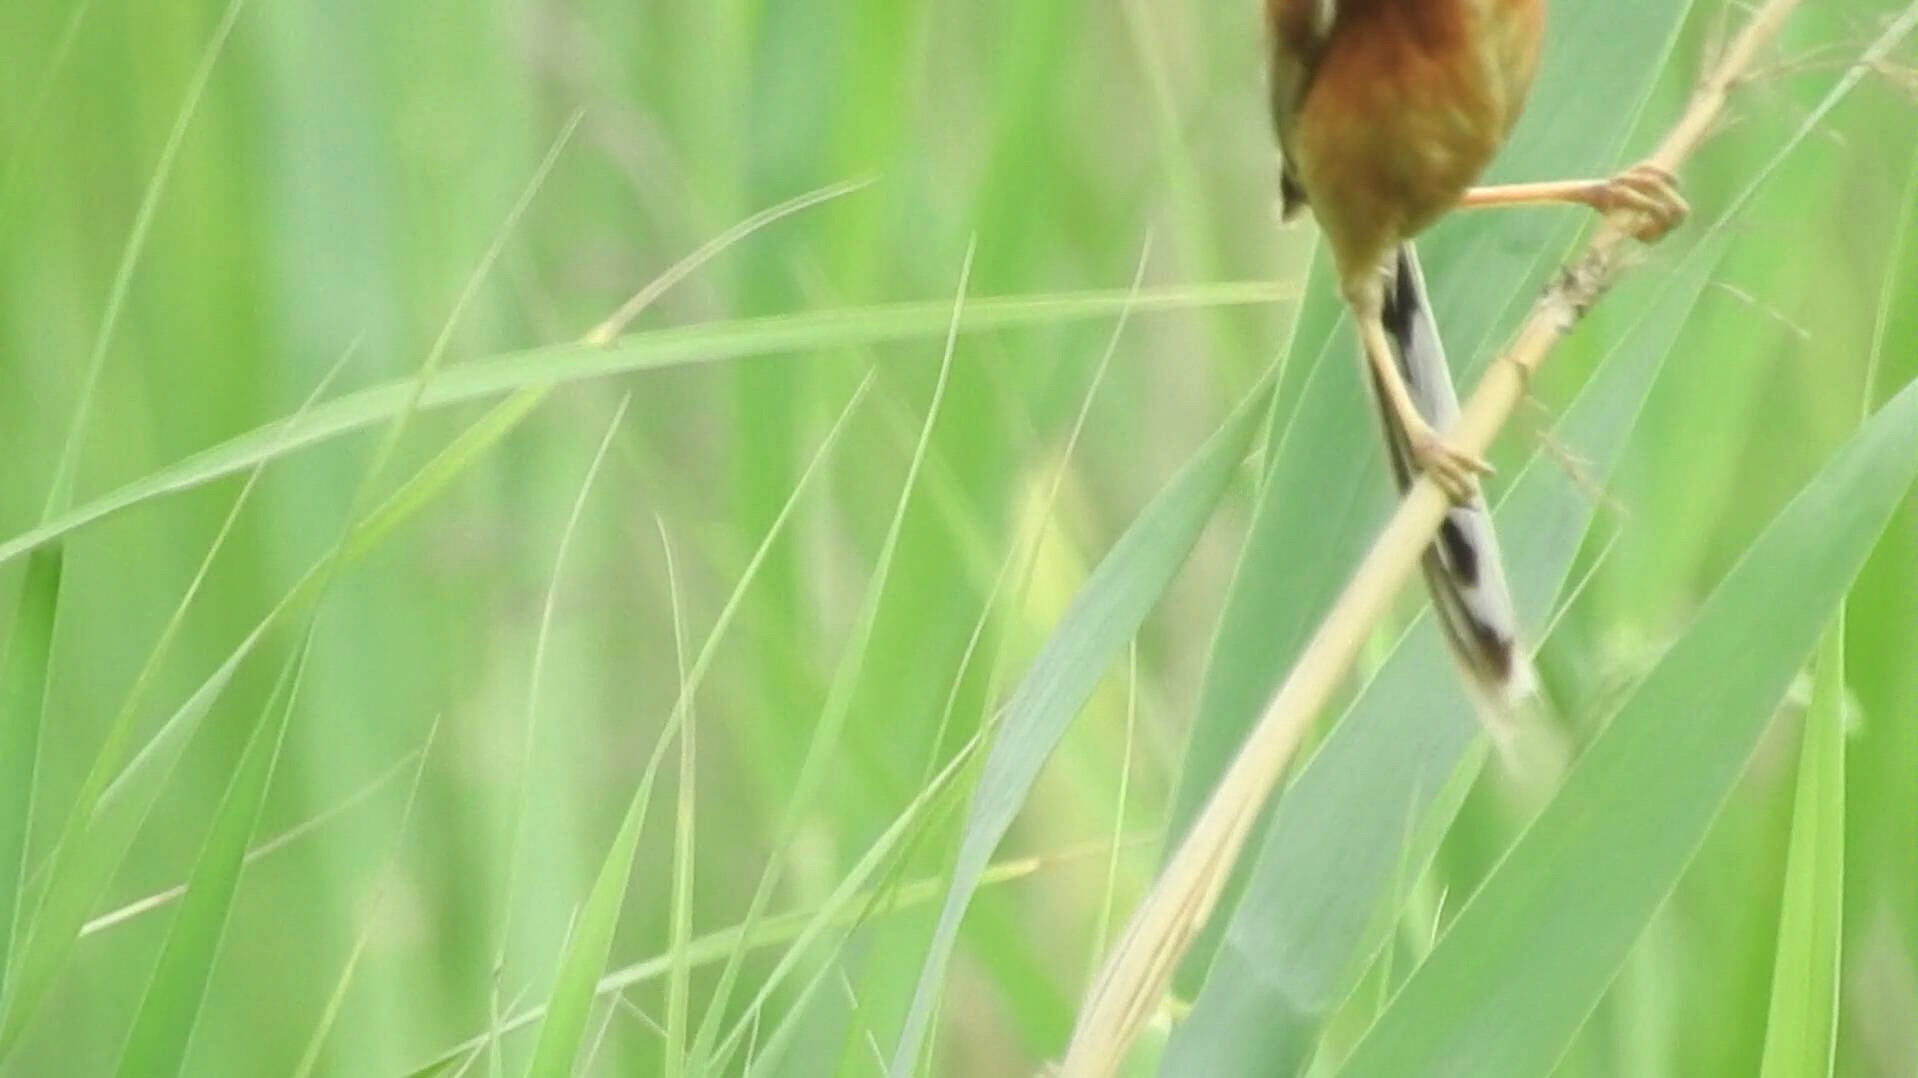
[[1387, 113]]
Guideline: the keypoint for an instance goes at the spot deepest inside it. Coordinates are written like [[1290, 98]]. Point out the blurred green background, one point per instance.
[[218, 206]]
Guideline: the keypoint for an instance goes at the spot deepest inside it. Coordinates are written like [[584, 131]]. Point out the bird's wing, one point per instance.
[[1296, 33]]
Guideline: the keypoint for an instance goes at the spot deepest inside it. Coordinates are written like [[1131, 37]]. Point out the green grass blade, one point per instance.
[[1802, 1034], [1530, 955], [808, 924], [20, 730], [828, 733], [853, 900], [1105, 616], [36, 113], [312, 825], [520, 795], [811, 1039], [592, 939], [407, 500], [95, 842], [1294, 946], [634, 820], [685, 837], [558, 1044], [24, 667], [330, 1014], [1109, 894], [99, 828], [61, 494], [163, 1027], [86, 860], [564, 1028], [482, 379], [170, 1009]]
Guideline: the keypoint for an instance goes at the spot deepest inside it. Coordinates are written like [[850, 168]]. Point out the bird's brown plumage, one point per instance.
[[1387, 111]]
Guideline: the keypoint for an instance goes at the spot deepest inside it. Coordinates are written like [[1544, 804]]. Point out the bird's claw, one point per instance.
[[1648, 192], [1456, 473]]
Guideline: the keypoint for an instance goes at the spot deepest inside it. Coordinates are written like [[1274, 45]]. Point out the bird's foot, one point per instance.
[[1648, 192], [1455, 472]]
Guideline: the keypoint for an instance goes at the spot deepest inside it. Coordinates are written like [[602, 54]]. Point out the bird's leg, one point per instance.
[[1455, 472], [1646, 190]]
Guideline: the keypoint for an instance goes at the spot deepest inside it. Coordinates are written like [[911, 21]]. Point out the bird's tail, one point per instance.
[[1463, 568]]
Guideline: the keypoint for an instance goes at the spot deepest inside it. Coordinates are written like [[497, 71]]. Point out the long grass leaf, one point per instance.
[[529, 736], [94, 841], [169, 1012], [84, 864], [845, 684], [1090, 637], [592, 938], [642, 795], [156, 756], [158, 900], [685, 831], [715, 947], [811, 1039], [316, 1044], [634, 820], [1801, 1036], [481, 379], [19, 712], [100, 826], [170, 1009], [36, 112], [61, 494], [1530, 955], [855, 895], [24, 669]]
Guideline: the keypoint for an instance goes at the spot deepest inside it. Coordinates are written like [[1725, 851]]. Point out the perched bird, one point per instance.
[[1387, 113]]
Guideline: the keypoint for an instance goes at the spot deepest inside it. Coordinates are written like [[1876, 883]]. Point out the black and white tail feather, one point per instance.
[[1463, 568]]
